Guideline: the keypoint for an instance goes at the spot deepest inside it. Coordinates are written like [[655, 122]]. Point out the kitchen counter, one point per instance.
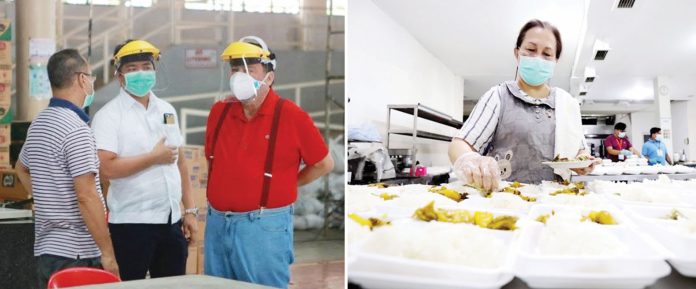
[[178, 282]]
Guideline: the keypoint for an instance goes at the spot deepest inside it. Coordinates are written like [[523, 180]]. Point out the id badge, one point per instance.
[[660, 153], [621, 157]]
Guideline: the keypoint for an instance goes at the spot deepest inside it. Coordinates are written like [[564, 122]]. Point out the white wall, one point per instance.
[[641, 122], [386, 65], [680, 126], [691, 148]]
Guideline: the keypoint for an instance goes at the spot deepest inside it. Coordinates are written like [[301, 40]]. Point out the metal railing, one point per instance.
[[297, 88], [174, 26]]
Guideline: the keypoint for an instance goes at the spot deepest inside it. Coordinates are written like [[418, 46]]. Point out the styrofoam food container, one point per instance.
[[638, 268], [633, 170], [682, 169], [667, 169], [613, 170], [381, 271], [650, 170], [679, 246], [372, 280], [569, 165]]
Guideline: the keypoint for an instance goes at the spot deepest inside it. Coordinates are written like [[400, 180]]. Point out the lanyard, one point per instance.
[[268, 167]]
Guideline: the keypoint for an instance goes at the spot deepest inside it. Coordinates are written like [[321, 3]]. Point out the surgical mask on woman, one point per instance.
[[535, 70]]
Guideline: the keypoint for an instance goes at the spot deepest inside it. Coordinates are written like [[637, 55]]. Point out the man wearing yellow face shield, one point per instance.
[[138, 137], [255, 141]]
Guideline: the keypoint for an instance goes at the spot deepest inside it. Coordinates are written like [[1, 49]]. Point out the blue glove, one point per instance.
[[625, 153]]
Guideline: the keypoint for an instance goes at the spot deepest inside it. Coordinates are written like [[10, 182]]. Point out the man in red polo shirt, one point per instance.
[[618, 147], [255, 144]]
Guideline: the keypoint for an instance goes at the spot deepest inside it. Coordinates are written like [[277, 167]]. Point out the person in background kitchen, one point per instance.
[[58, 166], [655, 149], [138, 137], [517, 125], [254, 143], [618, 147]]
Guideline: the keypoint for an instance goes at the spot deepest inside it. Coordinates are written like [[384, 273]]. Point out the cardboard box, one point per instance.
[[201, 259], [200, 235], [5, 92], [5, 156], [5, 100], [6, 52], [199, 198], [5, 29], [10, 187], [5, 135], [6, 74], [192, 261]]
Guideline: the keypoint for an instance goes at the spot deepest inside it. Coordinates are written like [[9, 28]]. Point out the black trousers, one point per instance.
[[47, 264], [161, 249]]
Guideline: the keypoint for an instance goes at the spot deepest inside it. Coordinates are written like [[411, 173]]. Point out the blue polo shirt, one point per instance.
[[655, 151]]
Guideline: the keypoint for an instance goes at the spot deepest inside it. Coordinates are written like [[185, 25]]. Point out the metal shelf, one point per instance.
[[429, 114], [423, 134], [630, 178], [419, 111]]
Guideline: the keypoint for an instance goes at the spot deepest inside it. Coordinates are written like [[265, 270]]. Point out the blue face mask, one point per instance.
[[139, 83], [535, 70], [622, 134]]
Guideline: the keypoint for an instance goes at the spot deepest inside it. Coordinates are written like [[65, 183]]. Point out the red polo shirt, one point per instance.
[[240, 154]]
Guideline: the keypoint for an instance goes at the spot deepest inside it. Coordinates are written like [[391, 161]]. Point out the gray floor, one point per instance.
[[310, 248]]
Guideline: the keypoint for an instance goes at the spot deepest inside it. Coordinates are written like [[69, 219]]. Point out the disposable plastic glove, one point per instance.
[[625, 153], [475, 169]]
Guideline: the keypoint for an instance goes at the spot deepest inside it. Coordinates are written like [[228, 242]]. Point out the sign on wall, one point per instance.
[[201, 58]]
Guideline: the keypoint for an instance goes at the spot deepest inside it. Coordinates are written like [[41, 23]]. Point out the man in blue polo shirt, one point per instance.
[[58, 165], [655, 149]]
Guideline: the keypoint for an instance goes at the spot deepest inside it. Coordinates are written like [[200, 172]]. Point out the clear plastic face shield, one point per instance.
[[243, 86]]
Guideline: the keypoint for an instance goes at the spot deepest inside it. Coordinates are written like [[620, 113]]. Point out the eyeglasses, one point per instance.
[[91, 77]]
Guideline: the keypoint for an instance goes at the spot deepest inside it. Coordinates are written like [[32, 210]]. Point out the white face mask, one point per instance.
[[622, 134], [243, 86], [659, 137]]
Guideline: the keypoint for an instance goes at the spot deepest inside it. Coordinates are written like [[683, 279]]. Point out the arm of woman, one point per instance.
[[474, 136]]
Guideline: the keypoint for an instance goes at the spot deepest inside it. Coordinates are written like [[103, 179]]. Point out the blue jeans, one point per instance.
[[255, 247]]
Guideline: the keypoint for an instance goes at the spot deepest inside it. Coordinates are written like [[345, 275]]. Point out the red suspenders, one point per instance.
[[268, 167]]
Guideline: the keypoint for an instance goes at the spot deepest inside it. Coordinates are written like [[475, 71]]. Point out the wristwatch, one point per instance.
[[192, 211]]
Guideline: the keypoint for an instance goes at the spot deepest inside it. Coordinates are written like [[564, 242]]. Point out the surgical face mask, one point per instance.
[[659, 137], [140, 83], [622, 134], [244, 87], [90, 97], [535, 70]]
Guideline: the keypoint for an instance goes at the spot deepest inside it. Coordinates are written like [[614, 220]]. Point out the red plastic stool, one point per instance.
[[80, 276]]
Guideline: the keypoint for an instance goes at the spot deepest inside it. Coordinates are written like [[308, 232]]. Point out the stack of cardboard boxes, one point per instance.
[[198, 174], [10, 187], [5, 91]]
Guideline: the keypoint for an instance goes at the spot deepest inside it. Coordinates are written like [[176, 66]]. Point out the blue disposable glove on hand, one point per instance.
[[625, 153]]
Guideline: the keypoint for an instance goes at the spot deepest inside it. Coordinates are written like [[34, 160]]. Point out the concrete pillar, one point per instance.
[[59, 24], [230, 28], [35, 19], [664, 111], [313, 25]]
